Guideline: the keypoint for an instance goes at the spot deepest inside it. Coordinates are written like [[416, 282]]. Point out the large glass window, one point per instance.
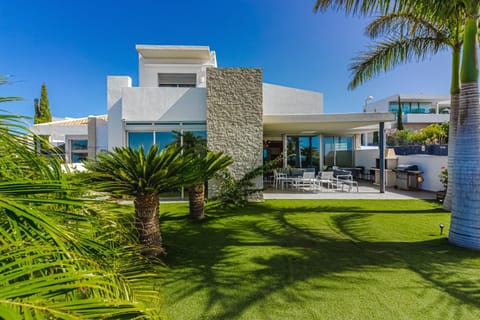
[[177, 80], [412, 107], [338, 151], [303, 151], [163, 139], [137, 139], [78, 150]]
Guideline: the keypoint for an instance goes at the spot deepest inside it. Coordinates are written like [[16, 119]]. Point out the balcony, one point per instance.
[[425, 118]]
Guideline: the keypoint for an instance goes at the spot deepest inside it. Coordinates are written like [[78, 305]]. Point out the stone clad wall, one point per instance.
[[234, 118]]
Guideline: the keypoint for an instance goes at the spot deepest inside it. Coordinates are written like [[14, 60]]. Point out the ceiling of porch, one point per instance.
[[326, 124]]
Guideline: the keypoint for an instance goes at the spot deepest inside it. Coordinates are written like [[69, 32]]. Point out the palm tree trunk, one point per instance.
[[465, 217], [147, 222], [452, 130], [196, 197], [452, 140]]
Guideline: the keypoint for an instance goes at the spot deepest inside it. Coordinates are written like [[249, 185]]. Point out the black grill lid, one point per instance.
[[407, 167]]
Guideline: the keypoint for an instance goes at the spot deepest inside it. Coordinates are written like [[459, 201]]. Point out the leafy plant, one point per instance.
[[142, 176], [55, 262], [443, 175], [237, 192]]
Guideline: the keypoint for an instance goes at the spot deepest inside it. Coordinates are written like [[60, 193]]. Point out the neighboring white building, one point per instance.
[[418, 110], [78, 138]]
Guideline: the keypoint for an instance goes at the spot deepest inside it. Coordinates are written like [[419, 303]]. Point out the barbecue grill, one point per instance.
[[408, 176]]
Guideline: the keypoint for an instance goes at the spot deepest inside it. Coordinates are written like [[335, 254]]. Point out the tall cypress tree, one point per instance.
[[399, 115], [45, 115], [42, 115], [38, 114]]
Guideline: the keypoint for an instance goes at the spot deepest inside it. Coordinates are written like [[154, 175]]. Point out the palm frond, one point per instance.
[[132, 172], [357, 7], [385, 55], [52, 264]]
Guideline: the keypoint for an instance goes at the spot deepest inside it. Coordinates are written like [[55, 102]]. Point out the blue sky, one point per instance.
[[73, 46]]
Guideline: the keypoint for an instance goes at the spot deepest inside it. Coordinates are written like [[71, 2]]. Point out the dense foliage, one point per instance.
[[432, 134], [62, 257]]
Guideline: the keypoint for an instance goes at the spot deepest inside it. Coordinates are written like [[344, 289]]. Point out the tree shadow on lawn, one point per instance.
[[232, 262]]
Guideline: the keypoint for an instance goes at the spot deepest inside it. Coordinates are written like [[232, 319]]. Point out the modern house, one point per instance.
[[418, 110], [78, 138], [181, 89]]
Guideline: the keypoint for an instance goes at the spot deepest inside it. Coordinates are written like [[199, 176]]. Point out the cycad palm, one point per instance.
[[203, 168], [143, 176]]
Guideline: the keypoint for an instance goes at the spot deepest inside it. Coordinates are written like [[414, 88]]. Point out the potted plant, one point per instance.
[[443, 175]]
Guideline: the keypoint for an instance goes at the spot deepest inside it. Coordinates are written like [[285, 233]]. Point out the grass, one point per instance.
[[320, 259]]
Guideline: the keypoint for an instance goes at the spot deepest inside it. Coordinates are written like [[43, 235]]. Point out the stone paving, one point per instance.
[[366, 190]]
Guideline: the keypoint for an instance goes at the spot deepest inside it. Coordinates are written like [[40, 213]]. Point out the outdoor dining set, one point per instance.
[[308, 180]]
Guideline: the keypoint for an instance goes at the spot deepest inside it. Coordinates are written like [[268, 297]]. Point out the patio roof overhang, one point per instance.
[[326, 124]]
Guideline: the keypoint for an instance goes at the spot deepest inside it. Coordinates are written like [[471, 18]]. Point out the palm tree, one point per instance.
[[465, 220], [144, 176], [204, 165], [465, 217], [50, 266], [410, 35], [203, 168]]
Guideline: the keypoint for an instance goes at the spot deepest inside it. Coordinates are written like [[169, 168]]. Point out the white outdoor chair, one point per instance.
[[306, 181], [325, 178], [279, 179], [345, 180]]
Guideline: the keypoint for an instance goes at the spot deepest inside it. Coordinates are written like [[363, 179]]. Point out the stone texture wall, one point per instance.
[[235, 118]]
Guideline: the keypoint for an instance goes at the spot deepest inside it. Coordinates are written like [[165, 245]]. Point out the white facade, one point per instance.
[[278, 100], [418, 110], [150, 102], [79, 138]]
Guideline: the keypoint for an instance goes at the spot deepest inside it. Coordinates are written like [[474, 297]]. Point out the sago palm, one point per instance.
[[203, 168], [204, 164], [143, 176]]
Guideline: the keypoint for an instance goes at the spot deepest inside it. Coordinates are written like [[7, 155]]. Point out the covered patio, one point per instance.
[[366, 191], [323, 141]]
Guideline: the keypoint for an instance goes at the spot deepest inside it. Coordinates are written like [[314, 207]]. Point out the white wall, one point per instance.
[[115, 84], [366, 158], [150, 68], [425, 118], [431, 167], [164, 104], [102, 137], [278, 100], [58, 132]]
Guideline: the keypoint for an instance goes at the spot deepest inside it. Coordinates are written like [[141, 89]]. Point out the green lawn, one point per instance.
[[318, 259]]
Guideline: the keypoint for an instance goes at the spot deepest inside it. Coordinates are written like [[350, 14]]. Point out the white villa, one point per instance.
[[180, 89], [418, 110]]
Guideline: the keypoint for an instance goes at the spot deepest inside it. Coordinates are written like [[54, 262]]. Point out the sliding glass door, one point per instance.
[[338, 151], [303, 152]]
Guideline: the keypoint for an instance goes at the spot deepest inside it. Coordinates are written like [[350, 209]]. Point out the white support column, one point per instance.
[[381, 149], [320, 150]]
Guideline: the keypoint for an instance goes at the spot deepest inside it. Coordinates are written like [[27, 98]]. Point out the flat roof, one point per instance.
[[173, 52], [334, 124]]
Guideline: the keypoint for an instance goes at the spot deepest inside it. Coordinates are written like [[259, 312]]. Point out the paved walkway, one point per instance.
[[366, 190]]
